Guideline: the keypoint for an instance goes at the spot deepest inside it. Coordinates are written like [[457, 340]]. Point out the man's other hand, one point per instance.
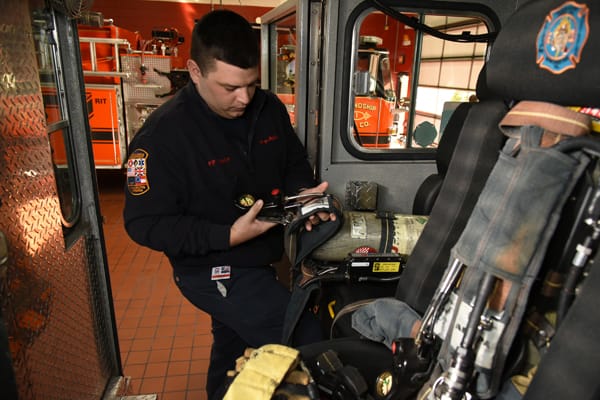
[[320, 216]]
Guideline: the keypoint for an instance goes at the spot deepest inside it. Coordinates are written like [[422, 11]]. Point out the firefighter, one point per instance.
[[219, 138]]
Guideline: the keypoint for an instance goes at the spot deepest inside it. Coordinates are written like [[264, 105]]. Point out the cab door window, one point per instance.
[[57, 117], [406, 83], [448, 72]]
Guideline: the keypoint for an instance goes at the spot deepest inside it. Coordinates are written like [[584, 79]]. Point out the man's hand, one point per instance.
[[320, 216], [248, 227]]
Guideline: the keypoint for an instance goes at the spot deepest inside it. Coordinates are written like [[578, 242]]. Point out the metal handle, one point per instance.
[[3, 254], [439, 299]]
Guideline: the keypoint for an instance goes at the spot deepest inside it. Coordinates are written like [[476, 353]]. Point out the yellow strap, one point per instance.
[[262, 373], [330, 308]]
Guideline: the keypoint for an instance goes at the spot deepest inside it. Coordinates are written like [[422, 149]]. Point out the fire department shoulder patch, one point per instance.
[[562, 37], [137, 176]]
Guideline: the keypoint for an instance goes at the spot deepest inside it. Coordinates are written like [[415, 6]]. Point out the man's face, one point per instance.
[[227, 89]]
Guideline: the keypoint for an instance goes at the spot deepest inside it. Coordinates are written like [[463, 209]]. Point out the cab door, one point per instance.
[[57, 328]]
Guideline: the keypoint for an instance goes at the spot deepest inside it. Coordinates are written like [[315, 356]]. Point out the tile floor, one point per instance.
[[164, 340]]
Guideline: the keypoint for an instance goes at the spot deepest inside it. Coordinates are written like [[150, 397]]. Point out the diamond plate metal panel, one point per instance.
[[46, 296]]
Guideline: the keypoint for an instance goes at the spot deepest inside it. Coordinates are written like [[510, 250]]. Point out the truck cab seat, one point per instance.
[[429, 189]]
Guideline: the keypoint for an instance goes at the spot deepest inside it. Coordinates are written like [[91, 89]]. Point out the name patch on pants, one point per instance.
[[220, 272]]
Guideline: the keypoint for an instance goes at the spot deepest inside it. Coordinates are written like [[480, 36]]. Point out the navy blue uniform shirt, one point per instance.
[[187, 166]]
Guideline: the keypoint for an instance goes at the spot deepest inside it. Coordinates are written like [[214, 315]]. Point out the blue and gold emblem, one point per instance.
[[562, 37]]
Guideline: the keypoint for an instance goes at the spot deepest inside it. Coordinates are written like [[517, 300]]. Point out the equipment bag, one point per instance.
[[502, 248]]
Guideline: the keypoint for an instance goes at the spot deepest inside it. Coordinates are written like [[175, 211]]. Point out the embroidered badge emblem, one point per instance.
[[137, 178], [562, 37]]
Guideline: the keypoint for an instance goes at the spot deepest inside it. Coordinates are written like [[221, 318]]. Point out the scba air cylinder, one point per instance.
[[372, 232]]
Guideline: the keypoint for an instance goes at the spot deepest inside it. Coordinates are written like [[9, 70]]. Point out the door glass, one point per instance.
[[375, 98], [57, 120], [406, 83], [283, 62]]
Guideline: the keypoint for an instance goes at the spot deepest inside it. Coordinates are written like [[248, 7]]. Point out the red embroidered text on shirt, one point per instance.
[[269, 139], [221, 161]]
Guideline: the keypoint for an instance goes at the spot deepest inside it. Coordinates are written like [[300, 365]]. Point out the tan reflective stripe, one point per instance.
[[551, 117]]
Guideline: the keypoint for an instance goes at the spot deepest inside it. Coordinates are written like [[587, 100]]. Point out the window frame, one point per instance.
[[352, 31]]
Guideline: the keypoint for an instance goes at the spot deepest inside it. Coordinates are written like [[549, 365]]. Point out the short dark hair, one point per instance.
[[225, 36]]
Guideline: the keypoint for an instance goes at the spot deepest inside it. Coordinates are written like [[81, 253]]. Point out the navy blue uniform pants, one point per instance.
[[247, 310]]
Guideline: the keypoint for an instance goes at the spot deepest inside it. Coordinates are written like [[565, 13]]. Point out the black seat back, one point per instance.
[[430, 188], [474, 156]]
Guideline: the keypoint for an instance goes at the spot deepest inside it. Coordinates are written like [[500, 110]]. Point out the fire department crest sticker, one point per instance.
[[562, 37], [137, 177]]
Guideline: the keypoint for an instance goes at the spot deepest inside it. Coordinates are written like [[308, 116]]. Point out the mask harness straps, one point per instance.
[[304, 242]]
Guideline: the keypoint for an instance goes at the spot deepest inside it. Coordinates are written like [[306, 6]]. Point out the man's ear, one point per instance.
[[194, 70]]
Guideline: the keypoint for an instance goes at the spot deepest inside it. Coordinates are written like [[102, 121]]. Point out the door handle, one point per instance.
[[3, 254]]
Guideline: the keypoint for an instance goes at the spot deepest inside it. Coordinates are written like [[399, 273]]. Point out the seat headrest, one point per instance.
[[548, 50], [482, 89]]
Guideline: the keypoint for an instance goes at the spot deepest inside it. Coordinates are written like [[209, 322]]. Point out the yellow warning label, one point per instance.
[[386, 266]]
